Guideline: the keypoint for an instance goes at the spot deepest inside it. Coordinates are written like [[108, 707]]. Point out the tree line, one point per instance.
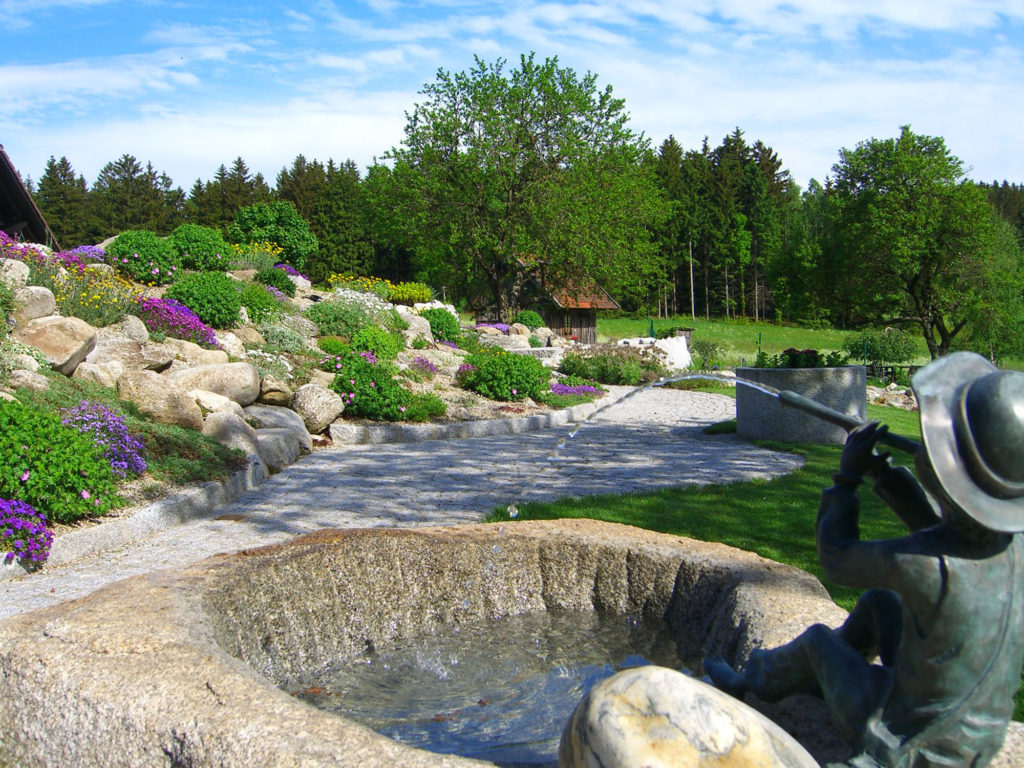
[[507, 176]]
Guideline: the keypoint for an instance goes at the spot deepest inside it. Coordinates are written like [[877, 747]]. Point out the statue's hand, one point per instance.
[[859, 457]]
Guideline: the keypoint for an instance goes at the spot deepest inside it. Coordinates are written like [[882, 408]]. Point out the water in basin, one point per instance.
[[498, 690]]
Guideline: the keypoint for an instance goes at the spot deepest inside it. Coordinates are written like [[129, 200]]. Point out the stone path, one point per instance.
[[651, 440]]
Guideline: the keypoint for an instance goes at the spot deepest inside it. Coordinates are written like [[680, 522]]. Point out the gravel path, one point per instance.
[[649, 439]]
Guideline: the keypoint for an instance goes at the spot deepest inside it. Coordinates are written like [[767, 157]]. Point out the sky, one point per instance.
[[189, 85]]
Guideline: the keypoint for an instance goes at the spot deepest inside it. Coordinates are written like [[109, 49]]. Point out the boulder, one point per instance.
[[652, 717], [132, 355], [265, 417], [505, 342], [518, 329], [323, 378], [317, 406], [211, 402], [28, 380], [22, 362], [274, 391], [249, 335], [487, 330], [160, 399], [231, 430], [238, 381], [64, 340], [194, 354], [31, 303], [278, 447], [128, 327], [8, 396], [419, 327], [106, 373], [14, 273], [231, 344], [243, 316], [301, 325], [300, 283]]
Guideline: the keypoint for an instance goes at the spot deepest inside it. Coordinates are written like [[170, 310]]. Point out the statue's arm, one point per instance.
[[901, 492]]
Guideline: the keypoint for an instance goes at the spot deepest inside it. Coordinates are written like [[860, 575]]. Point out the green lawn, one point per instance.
[[738, 338]]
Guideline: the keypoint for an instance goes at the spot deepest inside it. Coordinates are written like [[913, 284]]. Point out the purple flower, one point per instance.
[[424, 366], [109, 431], [25, 476], [176, 320], [503, 327], [557, 388], [288, 269], [24, 533]]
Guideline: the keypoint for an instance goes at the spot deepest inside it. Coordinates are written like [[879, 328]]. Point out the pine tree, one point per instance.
[[62, 198]]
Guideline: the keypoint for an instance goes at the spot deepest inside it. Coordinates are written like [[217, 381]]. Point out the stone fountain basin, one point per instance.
[[180, 668]]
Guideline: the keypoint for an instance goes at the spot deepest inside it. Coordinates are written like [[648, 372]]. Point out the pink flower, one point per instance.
[[85, 494], [514, 392], [24, 477], [402, 409]]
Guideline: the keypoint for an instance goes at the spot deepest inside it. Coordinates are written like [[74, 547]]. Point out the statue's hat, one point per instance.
[[972, 422]]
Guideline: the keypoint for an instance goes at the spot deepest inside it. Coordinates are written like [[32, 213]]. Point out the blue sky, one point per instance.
[[191, 84]]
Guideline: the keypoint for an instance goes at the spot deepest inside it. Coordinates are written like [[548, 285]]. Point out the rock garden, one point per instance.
[[120, 365]]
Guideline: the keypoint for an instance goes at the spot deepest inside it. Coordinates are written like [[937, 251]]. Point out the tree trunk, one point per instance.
[[693, 299]]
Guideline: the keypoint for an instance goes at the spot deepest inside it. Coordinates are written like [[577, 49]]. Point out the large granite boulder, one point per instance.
[[64, 340], [231, 344], [652, 717], [128, 327], [238, 381], [193, 354], [231, 430], [266, 417], [31, 303], [132, 355], [249, 335], [105, 374], [274, 391], [14, 273], [211, 402], [317, 406], [160, 399]]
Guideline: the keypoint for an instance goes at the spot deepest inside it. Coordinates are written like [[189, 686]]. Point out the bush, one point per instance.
[[277, 278], [259, 302], [499, 375], [174, 319], [52, 467], [425, 406], [333, 345], [368, 389], [800, 358], [259, 255], [421, 368], [24, 533], [410, 293], [144, 257], [6, 306], [281, 338], [201, 248], [384, 344], [529, 318], [275, 222], [109, 432], [213, 296], [878, 347], [669, 332], [340, 317], [361, 284], [95, 296], [613, 365], [443, 324], [707, 350]]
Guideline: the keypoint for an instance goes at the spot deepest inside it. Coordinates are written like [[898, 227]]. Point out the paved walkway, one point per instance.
[[651, 440]]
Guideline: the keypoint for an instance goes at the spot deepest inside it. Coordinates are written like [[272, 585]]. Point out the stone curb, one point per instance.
[[195, 502]]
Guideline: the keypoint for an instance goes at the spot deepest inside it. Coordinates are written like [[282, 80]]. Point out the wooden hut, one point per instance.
[[19, 215], [572, 311]]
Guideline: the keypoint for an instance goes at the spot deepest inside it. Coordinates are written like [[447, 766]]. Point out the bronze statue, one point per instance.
[[944, 610]]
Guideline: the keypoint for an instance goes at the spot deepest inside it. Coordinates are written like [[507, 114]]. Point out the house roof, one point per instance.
[[19, 215], [590, 296]]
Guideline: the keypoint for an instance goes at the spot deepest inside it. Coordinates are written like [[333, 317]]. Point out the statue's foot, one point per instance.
[[724, 677]]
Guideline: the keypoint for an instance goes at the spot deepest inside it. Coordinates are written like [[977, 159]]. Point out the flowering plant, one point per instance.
[[108, 431], [288, 269], [503, 327], [424, 367], [144, 256], [24, 533], [560, 388], [174, 319]]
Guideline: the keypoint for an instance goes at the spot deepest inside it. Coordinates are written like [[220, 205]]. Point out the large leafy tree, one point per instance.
[[504, 174], [918, 240]]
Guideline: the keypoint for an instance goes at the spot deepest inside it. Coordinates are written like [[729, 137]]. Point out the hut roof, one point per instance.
[[589, 296], [19, 215]]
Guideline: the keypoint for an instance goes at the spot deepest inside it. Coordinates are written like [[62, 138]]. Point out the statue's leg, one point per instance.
[[875, 624]]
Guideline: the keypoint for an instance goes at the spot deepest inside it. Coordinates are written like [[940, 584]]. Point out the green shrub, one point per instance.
[[281, 338], [419, 343], [529, 318], [369, 390], [54, 468], [341, 317], [443, 325], [410, 293], [275, 222], [534, 342], [709, 352], [613, 365], [259, 303], [878, 347], [213, 296], [500, 375], [424, 407], [144, 256], [276, 278], [800, 358], [333, 345], [384, 344], [201, 248], [669, 331]]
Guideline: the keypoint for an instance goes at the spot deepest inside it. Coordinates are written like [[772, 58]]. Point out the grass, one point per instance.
[[738, 338]]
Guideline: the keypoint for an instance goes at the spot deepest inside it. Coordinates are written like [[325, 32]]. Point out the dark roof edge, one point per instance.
[[10, 178]]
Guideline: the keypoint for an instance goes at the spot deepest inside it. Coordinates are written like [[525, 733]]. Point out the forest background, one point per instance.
[[896, 235]]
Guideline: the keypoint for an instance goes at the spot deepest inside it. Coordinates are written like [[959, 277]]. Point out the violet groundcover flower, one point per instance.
[[109, 431], [503, 327], [24, 533], [174, 319], [558, 388]]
